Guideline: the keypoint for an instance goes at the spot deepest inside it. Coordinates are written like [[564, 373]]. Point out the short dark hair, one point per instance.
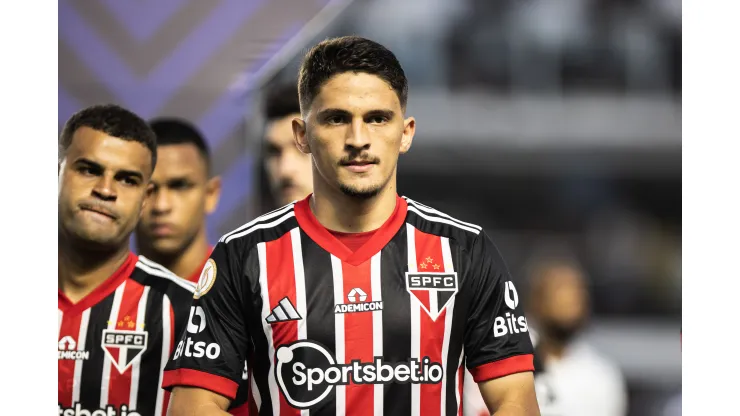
[[349, 54], [281, 101], [112, 120], [172, 130]]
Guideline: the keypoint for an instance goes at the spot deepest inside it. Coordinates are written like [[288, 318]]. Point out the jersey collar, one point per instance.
[[319, 234], [102, 291]]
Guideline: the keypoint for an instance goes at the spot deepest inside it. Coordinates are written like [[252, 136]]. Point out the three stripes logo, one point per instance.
[[283, 312]]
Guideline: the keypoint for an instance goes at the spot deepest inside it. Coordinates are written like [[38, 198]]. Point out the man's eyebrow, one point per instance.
[[333, 112], [383, 112]]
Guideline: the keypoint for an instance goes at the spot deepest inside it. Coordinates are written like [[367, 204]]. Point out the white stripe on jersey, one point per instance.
[[433, 211], [415, 319], [267, 328], [155, 269], [81, 338], [377, 296], [449, 268], [136, 364], [458, 393], [105, 382], [270, 215], [443, 220], [166, 348], [341, 391], [260, 227], [300, 288], [256, 394]]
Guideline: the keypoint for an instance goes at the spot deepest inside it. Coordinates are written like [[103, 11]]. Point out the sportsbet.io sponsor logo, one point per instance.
[[77, 410], [510, 323], [200, 349], [306, 372]]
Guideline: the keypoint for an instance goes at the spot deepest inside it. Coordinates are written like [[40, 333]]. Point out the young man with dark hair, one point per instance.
[[355, 300], [118, 312], [172, 229], [287, 169]]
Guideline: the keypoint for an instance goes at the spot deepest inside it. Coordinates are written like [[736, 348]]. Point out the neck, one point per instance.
[[340, 212], [186, 262], [551, 350], [81, 270]]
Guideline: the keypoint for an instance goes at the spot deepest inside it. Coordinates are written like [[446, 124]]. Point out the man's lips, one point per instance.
[[99, 210], [162, 230]]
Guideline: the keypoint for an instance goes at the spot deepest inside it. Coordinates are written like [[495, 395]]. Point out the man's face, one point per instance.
[[103, 183], [181, 198], [355, 131], [562, 306], [288, 169]]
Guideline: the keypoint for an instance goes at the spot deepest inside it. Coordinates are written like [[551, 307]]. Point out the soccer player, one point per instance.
[[172, 229], [288, 170], [118, 312], [354, 300]]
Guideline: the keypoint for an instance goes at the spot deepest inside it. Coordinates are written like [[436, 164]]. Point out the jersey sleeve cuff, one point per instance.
[[501, 368], [201, 379]]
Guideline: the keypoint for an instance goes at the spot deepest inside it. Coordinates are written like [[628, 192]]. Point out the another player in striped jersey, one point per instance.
[[172, 229], [354, 300], [118, 312]]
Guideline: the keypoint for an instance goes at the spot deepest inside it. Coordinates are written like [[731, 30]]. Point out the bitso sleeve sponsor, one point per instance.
[[214, 342], [498, 342]]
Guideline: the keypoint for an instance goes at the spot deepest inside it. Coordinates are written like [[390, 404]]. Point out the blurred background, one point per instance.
[[554, 124]]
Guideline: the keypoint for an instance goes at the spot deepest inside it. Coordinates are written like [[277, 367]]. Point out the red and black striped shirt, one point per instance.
[[115, 342], [383, 330]]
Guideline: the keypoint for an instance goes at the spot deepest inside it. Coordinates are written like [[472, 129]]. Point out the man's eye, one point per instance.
[[378, 120], [335, 120], [131, 181]]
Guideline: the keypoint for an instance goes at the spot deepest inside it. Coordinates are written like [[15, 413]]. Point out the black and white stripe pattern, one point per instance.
[[431, 214], [263, 222]]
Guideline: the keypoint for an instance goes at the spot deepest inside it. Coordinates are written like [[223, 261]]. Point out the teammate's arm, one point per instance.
[[498, 349], [192, 401], [206, 367], [511, 395]]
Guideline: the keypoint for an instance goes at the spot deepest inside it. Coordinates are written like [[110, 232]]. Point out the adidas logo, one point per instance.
[[284, 311]]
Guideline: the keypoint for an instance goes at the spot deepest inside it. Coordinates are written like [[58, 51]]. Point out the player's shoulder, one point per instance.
[[266, 227], [432, 221], [160, 279]]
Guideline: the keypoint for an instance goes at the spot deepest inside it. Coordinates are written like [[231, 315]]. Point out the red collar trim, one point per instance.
[[319, 234], [195, 275], [102, 291]]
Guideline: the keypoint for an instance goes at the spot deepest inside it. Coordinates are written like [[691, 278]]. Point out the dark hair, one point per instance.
[[281, 101], [349, 54], [112, 120], [172, 130]]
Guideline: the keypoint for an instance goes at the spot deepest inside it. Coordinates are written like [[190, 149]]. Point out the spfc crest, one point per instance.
[[433, 290], [123, 347]]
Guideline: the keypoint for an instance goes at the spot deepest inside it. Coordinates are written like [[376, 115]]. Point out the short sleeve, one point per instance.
[[497, 340], [211, 350]]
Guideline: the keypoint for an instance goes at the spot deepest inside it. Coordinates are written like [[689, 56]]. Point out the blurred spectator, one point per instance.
[[572, 378], [286, 171]]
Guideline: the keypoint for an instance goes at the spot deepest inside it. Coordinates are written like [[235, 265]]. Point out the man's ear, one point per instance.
[[409, 129], [147, 194], [299, 135], [213, 194]]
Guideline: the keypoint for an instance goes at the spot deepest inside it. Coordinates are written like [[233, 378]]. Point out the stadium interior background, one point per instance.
[[554, 124]]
